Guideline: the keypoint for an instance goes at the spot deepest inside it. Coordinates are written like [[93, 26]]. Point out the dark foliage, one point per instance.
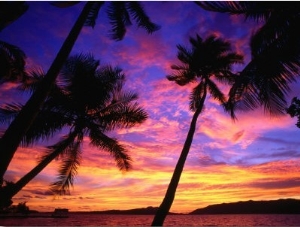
[[275, 51], [294, 110]]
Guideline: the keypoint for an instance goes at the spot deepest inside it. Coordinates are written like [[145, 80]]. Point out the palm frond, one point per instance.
[[277, 32], [82, 86], [274, 71], [235, 102], [215, 46], [46, 124], [12, 63], [10, 11], [198, 96], [258, 11], [225, 61], [32, 80], [61, 147], [243, 94], [93, 14], [226, 77], [112, 146], [196, 42], [9, 111], [77, 66], [117, 100], [182, 77], [215, 92], [68, 169], [119, 19], [272, 96], [125, 116], [139, 15], [89, 85], [262, 83], [111, 79], [184, 54], [110, 76]]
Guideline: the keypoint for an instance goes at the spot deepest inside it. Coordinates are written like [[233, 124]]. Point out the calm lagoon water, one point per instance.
[[145, 220]]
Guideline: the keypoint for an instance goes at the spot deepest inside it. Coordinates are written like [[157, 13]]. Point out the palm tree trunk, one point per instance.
[[16, 130], [10, 191], [166, 204]]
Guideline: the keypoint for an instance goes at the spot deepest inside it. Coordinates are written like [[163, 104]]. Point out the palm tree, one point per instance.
[[275, 54], [120, 14], [89, 101], [206, 61]]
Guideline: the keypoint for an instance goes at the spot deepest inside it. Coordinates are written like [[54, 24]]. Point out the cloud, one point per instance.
[[237, 136], [42, 192], [283, 141], [206, 160], [284, 154], [277, 184]]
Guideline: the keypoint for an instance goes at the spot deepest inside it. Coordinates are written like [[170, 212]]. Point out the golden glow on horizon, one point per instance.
[[102, 189]]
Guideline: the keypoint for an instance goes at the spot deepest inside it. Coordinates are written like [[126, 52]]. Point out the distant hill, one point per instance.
[[281, 206], [138, 211]]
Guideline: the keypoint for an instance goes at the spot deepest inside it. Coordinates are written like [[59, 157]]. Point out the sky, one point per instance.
[[254, 158]]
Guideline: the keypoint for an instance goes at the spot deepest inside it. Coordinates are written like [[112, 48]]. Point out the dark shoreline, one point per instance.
[[281, 206]]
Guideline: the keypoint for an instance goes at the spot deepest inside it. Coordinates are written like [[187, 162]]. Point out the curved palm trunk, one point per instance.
[[15, 132], [10, 191], [166, 204]]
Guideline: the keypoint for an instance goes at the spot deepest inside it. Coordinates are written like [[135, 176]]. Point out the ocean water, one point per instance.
[[145, 220]]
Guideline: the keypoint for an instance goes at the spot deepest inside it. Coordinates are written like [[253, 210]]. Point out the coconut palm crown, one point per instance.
[[87, 102], [206, 61]]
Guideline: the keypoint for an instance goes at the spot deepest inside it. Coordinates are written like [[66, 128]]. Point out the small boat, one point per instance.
[[60, 213]]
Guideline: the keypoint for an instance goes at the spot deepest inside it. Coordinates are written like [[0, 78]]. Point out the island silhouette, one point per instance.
[[280, 206]]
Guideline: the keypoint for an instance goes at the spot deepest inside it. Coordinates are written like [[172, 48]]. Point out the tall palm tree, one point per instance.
[[89, 101], [275, 54], [207, 60], [120, 15]]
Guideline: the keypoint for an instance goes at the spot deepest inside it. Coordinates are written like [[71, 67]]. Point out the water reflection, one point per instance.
[[171, 220]]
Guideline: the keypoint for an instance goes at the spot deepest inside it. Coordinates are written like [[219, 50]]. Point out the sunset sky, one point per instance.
[[256, 157]]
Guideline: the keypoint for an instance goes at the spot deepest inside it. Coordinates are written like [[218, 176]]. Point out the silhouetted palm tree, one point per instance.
[[90, 102], [120, 14], [275, 54], [208, 60]]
